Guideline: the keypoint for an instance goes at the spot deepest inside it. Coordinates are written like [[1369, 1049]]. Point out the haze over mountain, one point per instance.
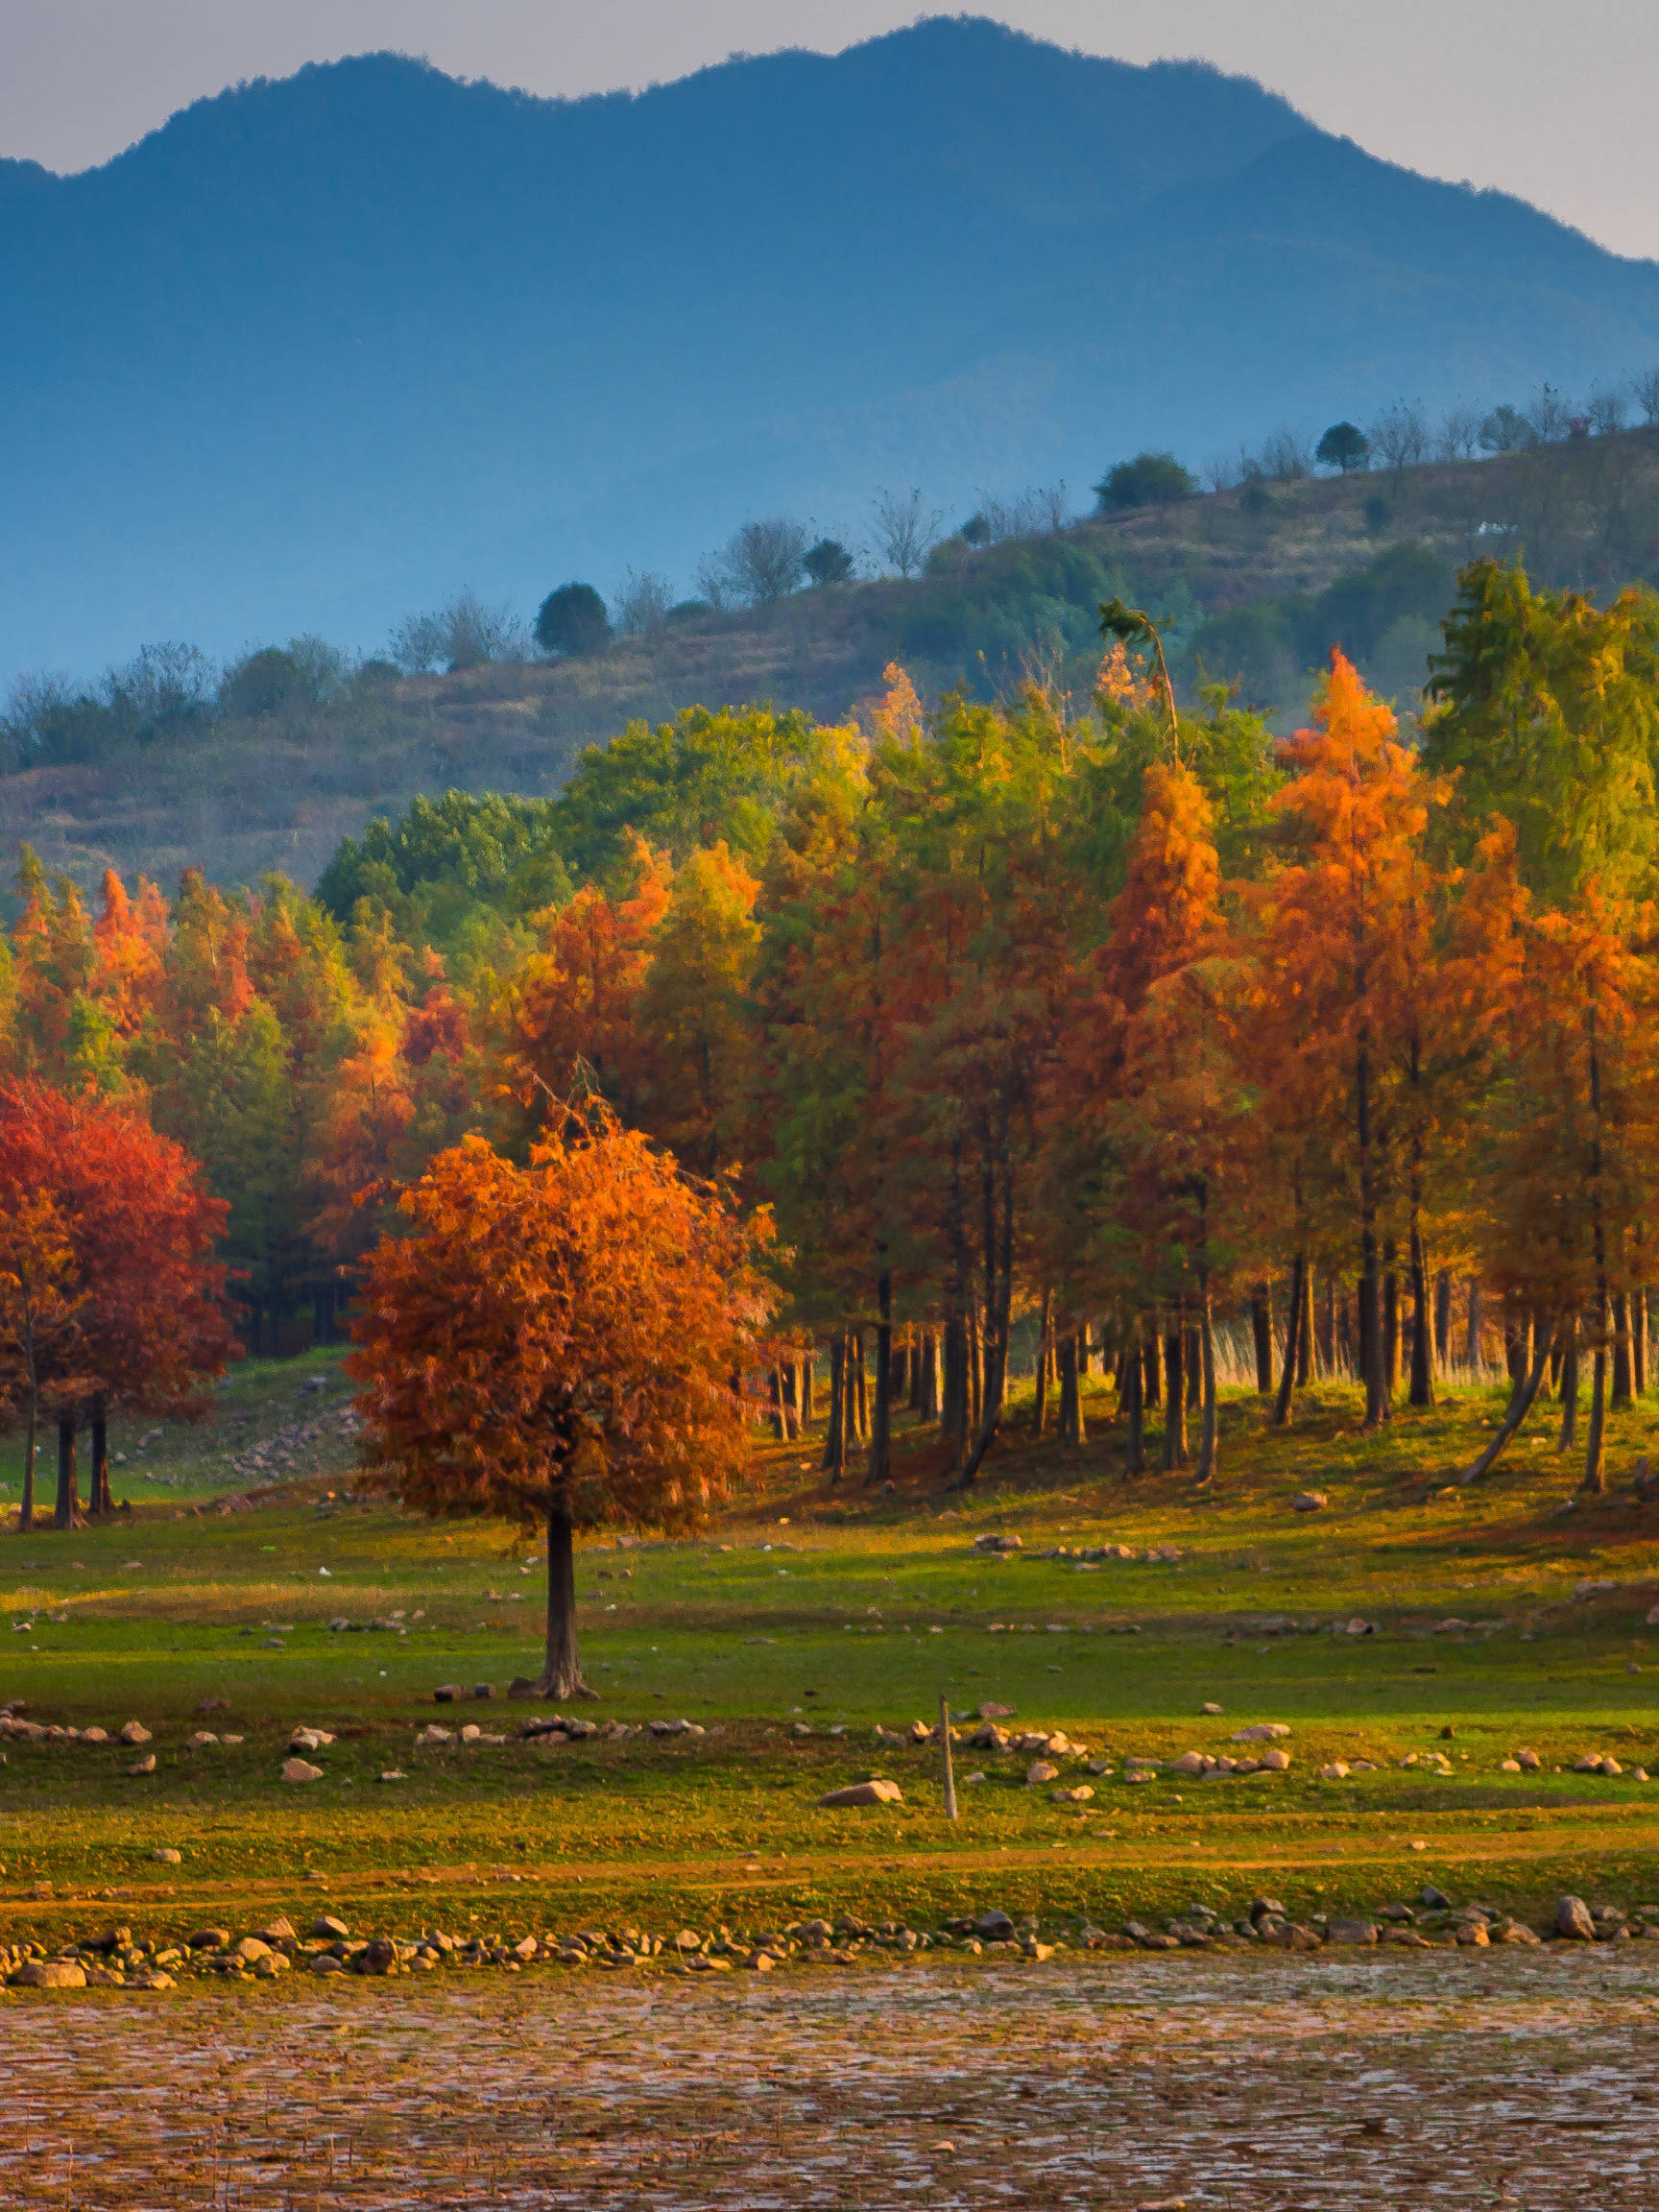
[[320, 351]]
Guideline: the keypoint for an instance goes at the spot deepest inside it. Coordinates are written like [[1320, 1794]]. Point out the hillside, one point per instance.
[[1254, 590], [321, 350]]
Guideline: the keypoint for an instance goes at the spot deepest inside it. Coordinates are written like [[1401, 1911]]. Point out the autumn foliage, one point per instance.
[[562, 1345]]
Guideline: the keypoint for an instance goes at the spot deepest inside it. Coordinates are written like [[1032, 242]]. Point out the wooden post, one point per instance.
[[944, 1746]]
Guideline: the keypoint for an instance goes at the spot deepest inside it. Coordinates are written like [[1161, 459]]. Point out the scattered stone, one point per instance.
[[1337, 1771], [1434, 1900], [134, 1732], [309, 1740], [1574, 1920], [94, 1734], [1209, 1709], [48, 1974], [1080, 1795], [1359, 1628], [1309, 1501], [326, 1929], [200, 1739], [874, 1792], [1041, 1771], [208, 1939], [144, 1765], [449, 1694], [989, 1712], [300, 1770], [166, 1855], [1261, 1732], [325, 1962], [997, 1544], [393, 1774]]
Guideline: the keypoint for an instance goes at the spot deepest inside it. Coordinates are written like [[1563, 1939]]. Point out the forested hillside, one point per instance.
[[172, 763]]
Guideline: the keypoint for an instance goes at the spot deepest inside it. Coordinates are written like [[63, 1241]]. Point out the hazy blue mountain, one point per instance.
[[320, 351]]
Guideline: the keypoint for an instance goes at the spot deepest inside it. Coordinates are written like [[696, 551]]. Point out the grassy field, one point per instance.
[[789, 1635]]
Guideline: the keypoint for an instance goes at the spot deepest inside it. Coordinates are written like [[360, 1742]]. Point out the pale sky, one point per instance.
[[1550, 99]]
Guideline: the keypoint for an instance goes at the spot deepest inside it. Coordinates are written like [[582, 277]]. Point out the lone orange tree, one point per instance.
[[561, 1345]]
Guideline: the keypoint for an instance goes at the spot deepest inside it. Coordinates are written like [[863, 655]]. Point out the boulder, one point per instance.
[[329, 1930], [1080, 1795], [874, 1792], [1261, 1732], [1041, 1771], [300, 1770], [49, 1974], [325, 1962], [1309, 1501], [166, 1855], [991, 1712], [1191, 1764], [994, 1927], [1209, 1709], [1352, 1931], [144, 1765], [134, 1732], [1574, 1921], [1275, 1760]]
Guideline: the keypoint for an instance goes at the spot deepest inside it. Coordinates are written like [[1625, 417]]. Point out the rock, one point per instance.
[[989, 1712], [134, 1732], [252, 1949], [212, 1705], [1277, 1762], [1337, 1771], [994, 1927], [1512, 1932], [200, 1739], [393, 1774], [49, 1974], [1472, 1934], [144, 1765], [1040, 1770], [326, 1929], [1261, 1732], [325, 1962], [1191, 1764], [1508, 1766], [996, 1544], [1309, 1501], [1260, 1908], [207, 1939], [281, 1931], [1574, 1921], [451, 1694], [1352, 1931], [309, 1739], [1359, 1628], [94, 1734], [874, 1792], [151, 1978], [166, 1855], [1032, 1949], [1434, 1900], [378, 1956], [300, 1770], [1212, 1709], [1080, 1795]]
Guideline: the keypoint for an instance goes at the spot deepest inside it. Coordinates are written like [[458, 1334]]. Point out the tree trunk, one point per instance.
[[860, 1389], [953, 1399], [1422, 1392], [1193, 1365], [917, 1401], [561, 1676], [1372, 1370], [808, 1376], [1305, 1335], [775, 1396], [1261, 1330], [1151, 1378], [881, 1428], [976, 1370], [1471, 1335], [1639, 1341], [26, 1511], [835, 1437], [1596, 1442], [1519, 1405], [1071, 1428], [1391, 1329], [1132, 1400], [1443, 1319], [1175, 1398], [1328, 1328], [929, 1406], [1622, 1390], [1040, 1386], [1569, 1430], [102, 1501], [1297, 1324], [67, 1513], [1207, 1366]]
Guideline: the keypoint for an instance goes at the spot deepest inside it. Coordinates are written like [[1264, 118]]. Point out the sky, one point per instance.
[[1548, 99]]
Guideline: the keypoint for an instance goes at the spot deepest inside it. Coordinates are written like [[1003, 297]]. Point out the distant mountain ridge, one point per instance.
[[321, 350]]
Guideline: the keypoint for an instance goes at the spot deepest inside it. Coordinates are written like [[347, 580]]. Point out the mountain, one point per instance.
[[320, 351]]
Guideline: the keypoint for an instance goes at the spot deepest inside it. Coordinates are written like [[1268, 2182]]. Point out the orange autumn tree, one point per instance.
[[563, 1346], [41, 1305]]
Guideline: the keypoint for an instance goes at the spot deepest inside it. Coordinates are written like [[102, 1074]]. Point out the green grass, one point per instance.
[[879, 1605]]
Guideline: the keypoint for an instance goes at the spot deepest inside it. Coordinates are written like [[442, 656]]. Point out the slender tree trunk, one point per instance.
[[1175, 1396], [1040, 1387], [1595, 1441], [976, 1370], [808, 1376], [929, 1406], [1422, 1392], [1391, 1328], [881, 1465], [102, 1501], [1520, 1405], [1071, 1428], [561, 1676], [26, 1512], [953, 1404], [1443, 1319], [1639, 1340], [66, 1514], [775, 1399], [835, 1437], [1621, 1366], [1305, 1334], [1471, 1335], [1373, 1372], [1192, 1367], [1207, 1366], [1133, 1403], [860, 1389], [1297, 1321], [1569, 1431], [1262, 1330], [1152, 1383], [920, 1339], [1328, 1327]]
